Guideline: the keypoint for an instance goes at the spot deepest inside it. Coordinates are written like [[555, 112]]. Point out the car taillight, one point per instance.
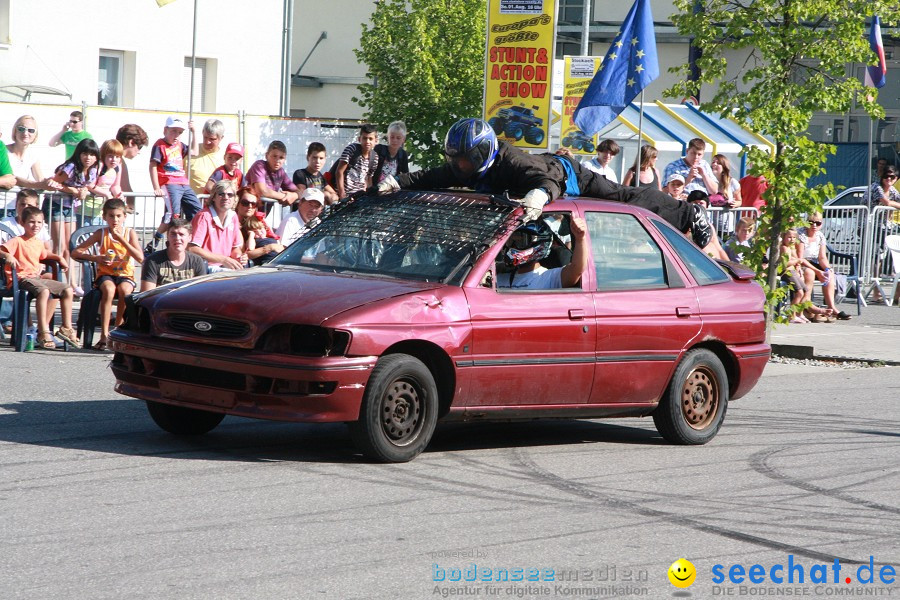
[[306, 340]]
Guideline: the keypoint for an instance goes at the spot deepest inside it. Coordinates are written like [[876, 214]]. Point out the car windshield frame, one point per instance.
[[419, 236]]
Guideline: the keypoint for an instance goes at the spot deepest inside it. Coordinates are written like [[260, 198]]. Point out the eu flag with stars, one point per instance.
[[628, 67]]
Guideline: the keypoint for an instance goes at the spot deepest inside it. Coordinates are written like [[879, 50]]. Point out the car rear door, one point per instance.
[[530, 347], [646, 314]]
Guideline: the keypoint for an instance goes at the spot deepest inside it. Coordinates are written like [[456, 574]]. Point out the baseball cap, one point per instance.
[[175, 122], [675, 177], [314, 195], [234, 148]]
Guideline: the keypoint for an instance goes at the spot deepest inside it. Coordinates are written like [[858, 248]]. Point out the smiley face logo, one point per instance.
[[682, 573]]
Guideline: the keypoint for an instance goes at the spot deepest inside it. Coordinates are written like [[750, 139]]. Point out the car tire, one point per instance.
[[181, 420], [693, 407], [399, 410], [589, 148]]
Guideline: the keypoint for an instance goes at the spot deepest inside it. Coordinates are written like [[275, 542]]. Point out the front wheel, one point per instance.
[[183, 421], [694, 404], [399, 410]]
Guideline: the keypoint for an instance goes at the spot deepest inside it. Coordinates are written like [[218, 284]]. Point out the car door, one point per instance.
[[646, 314], [530, 347]]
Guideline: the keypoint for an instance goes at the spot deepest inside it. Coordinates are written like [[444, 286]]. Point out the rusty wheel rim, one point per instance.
[[401, 412], [700, 398]]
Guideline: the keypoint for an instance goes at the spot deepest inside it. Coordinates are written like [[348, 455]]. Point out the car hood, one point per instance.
[[284, 294]]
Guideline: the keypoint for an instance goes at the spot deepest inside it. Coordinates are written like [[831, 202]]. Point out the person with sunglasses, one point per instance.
[[266, 247], [816, 266], [7, 179], [71, 134], [883, 193], [217, 233], [23, 159]]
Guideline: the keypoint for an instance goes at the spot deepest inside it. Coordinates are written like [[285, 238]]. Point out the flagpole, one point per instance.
[[637, 159], [191, 107]]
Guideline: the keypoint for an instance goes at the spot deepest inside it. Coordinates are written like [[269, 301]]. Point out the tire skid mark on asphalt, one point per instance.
[[759, 462], [548, 478]]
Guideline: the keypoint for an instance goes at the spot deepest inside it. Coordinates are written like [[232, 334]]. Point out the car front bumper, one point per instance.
[[236, 382]]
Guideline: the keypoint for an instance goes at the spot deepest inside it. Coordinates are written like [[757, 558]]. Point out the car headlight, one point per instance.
[[305, 340]]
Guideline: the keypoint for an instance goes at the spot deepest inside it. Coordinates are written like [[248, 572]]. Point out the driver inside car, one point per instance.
[[529, 245]]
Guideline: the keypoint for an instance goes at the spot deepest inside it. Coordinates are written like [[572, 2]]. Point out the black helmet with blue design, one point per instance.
[[471, 147]]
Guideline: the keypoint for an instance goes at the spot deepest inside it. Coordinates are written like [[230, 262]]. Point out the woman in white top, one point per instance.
[[816, 266], [22, 157]]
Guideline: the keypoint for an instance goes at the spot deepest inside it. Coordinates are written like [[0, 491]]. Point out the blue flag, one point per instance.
[[628, 67]]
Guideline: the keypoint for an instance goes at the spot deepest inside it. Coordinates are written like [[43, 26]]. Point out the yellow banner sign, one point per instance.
[[521, 35], [579, 71]]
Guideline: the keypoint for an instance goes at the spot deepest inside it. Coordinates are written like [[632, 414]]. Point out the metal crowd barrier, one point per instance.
[[884, 221], [724, 219], [845, 228]]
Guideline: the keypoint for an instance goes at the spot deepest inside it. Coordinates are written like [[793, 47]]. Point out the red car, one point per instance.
[[387, 315]]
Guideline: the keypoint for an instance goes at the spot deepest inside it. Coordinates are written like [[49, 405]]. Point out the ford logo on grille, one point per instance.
[[203, 326]]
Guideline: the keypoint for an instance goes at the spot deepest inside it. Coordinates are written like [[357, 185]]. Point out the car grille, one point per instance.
[[214, 327]]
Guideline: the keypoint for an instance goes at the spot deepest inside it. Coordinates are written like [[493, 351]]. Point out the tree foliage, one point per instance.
[[794, 58], [426, 59]]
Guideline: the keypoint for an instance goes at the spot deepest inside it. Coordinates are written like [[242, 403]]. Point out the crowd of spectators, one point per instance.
[[229, 229]]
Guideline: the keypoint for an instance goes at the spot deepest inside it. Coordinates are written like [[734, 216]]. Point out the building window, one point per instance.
[[568, 49], [110, 78], [199, 83], [4, 21], [571, 11]]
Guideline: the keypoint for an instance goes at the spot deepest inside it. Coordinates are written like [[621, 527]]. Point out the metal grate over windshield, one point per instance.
[[431, 236]]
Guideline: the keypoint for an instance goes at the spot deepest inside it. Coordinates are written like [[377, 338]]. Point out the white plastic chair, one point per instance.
[[893, 244]]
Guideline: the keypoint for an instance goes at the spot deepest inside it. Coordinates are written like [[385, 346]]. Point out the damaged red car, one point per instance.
[[390, 315]]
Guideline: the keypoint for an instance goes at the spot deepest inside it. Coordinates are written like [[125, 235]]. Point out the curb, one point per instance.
[[808, 352]]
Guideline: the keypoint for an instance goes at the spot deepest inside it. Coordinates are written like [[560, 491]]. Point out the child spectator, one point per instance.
[[356, 166], [252, 229], [75, 178], [791, 274], [228, 171], [307, 213], [25, 253], [26, 197], [216, 231], [311, 175], [168, 178], [118, 249], [268, 180], [392, 158], [109, 181], [174, 263], [108, 184], [697, 172], [267, 246], [600, 163], [739, 243], [699, 197], [71, 134], [675, 186]]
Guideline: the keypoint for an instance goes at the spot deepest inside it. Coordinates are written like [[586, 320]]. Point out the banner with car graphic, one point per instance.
[[521, 36], [577, 75]]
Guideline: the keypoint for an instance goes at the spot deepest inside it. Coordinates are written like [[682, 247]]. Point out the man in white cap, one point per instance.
[[675, 186], [305, 217]]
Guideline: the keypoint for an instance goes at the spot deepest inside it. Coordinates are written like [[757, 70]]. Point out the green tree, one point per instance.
[[790, 58], [426, 59]]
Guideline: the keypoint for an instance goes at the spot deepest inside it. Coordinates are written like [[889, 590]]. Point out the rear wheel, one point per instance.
[[183, 421], [515, 131], [399, 410], [694, 405]]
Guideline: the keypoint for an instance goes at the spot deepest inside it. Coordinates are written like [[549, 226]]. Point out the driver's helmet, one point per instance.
[[475, 141], [527, 244]]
